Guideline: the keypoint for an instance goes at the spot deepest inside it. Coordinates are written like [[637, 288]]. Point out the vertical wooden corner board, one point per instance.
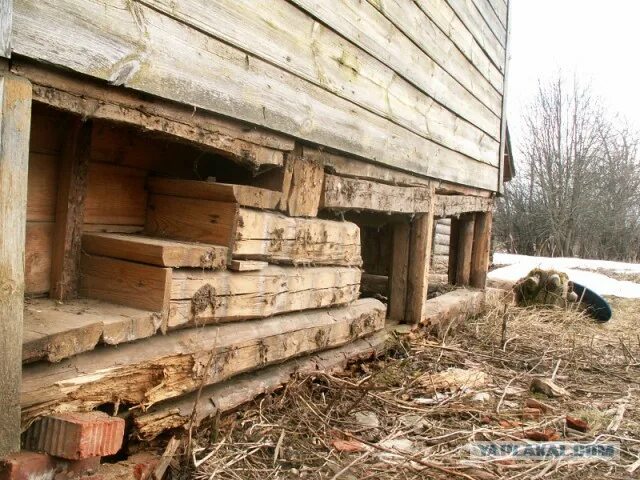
[[152, 52]]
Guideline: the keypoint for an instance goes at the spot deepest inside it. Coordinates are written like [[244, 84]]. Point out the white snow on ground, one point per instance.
[[517, 266]]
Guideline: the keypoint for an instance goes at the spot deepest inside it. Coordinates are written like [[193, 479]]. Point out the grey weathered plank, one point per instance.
[[15, 120], [500, 8], [366, 27], [410, 19], [6, 19], [129, 44], [280, 33], [492, 20]]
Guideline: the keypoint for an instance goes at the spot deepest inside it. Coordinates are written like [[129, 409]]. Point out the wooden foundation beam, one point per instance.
[[481, 248], [419, 262], [399, 271], [465, 248], [72, 189], [15, 124]]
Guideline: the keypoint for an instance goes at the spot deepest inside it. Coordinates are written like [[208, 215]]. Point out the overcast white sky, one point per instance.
[[599, 40]]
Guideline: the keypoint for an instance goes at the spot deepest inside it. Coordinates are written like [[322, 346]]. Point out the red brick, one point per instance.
[[27, 465], [76, 435]]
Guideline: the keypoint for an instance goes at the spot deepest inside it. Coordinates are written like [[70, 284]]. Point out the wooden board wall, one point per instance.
[[413, 85]]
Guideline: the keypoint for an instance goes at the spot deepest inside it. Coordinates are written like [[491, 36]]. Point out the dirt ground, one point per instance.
[[413, 413]]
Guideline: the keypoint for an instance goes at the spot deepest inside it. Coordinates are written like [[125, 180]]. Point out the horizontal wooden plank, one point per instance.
[[500, 8], [407, 16], [244, 195], [155, 251], [115, 195], [445, 18], [278, 32], [37, 257], [491, 18], [106, 44], [162, 367], [125, 283], [191, 219], [200, 297], [247, 265], [448, 205], [281, 239], [471, 18], [362, 24], [54, 331], [229, 395], [342, 193]]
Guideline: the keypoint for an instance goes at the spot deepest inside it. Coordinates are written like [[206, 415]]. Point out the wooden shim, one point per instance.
[[374, 284], [15, 117], [191, 219], [481, 247], [465, 248], [280, 239], [412, 21], [54, 331], [6, 21], [89, 98], [305, 190], [231, 394], [282, 34], [106, 44], [166, 366], [125, 283], [399, 271], [448, 205], [454, 245], [70, 204], [115, 195], [247, 265], [342, 193], [37, 259], [420, 261], [155, 251], [244, 195], [199, 297]]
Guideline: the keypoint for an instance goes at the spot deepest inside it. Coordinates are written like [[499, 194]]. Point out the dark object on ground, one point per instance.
[[596, 306]]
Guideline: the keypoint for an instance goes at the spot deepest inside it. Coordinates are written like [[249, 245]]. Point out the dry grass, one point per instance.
[[300, 431]]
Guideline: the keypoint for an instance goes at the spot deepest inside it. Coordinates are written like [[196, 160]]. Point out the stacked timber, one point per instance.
[[261, 285], [441, 240]]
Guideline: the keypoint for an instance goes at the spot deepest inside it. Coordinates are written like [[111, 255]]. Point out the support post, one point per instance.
[[419, 262], [72, 189], [399, 271], [465, 248], [15, 125], [454, 237], [481, 248]]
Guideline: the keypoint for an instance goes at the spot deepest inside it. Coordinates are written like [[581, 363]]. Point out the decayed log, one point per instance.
[[226, 396], [163, 367]]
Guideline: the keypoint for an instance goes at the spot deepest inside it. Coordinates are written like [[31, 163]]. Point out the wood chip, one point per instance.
[[547, 387]]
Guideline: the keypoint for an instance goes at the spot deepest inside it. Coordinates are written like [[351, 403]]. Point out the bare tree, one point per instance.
[[578, 183]]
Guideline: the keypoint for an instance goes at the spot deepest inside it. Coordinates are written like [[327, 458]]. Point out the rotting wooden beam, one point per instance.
[[344, 193], [465, 248], [399, 271], [15, 121], [303, 194], [481, 248], [70, 205], [93, 99], [448, 205], [419, 264]]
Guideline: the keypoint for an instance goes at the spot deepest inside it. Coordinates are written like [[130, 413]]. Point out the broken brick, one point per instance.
[[76, 436], [577, 424], [26, 465]]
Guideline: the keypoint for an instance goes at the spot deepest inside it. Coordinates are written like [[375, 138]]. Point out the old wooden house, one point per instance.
[[193, 191]]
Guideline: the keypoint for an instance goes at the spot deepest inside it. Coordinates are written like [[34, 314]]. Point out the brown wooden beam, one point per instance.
[[454, 238], [419, 262], [465, 248], [481, 247], [72, 188], [15, 125], [399, 271]]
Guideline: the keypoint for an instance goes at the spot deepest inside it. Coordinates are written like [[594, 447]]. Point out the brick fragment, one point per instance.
[[76, 436], [27, 465]]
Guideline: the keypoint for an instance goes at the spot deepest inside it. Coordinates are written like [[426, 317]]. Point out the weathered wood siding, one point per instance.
[[413, 84]]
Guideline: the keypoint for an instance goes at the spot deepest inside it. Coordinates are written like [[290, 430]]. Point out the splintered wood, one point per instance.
[[163, 367]]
